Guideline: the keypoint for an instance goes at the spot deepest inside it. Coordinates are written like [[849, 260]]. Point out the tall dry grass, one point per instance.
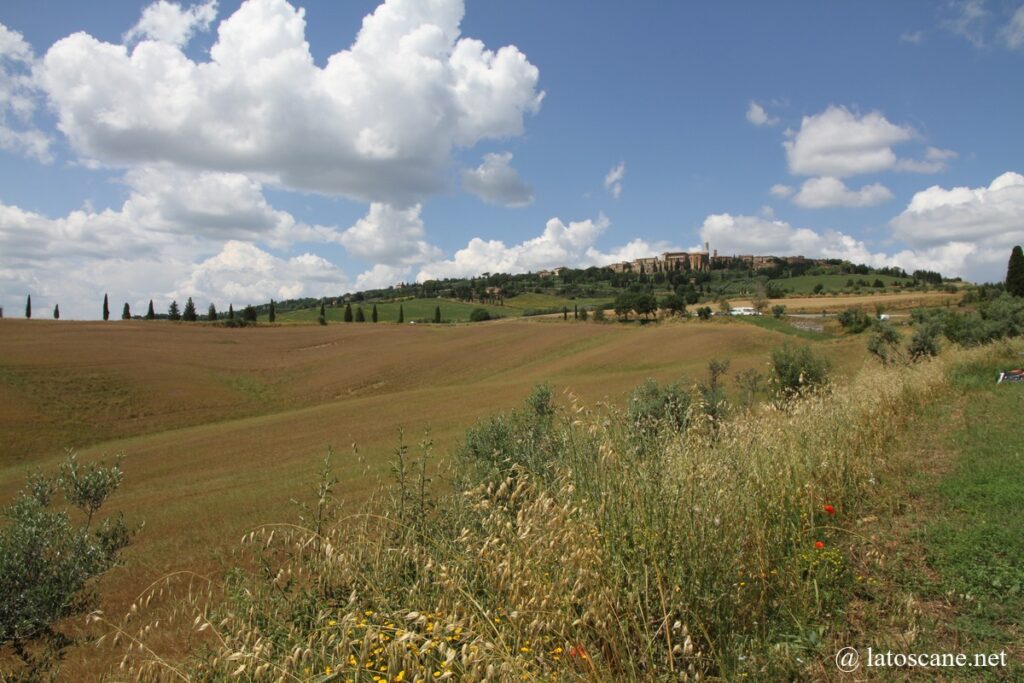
[[578, 544]]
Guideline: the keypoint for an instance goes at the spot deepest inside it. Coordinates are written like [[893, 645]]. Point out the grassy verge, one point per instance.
[[940, 566], [977, 544]]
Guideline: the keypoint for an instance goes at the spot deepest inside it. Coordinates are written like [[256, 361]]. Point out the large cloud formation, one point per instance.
[[18, 99], [558, 245], [377, 122], [199, 138], [984, 222], [839, 143], [147, 247]]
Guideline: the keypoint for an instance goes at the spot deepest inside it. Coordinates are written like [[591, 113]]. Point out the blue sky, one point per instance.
[[235, 152]]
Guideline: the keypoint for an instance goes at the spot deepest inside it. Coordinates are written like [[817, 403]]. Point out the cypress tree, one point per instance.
[[126, 314], [401, 314], [437, 314], [150, 314], [272, 316], [323, 314], [575, 312], [172, 311], [360, 318], [348, 312], [56, 312], [1015, 272], [231, 312], [106, 308], [373, 314], [211, 313], [565, 312], [28, 307], [189, 314]]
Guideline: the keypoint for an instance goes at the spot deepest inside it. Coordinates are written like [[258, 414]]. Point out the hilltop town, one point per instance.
[[704, 261]]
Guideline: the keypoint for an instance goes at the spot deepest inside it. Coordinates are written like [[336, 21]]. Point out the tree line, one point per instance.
[[635, 299]]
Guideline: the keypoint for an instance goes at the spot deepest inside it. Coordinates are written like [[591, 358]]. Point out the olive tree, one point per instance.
[[50, 558]]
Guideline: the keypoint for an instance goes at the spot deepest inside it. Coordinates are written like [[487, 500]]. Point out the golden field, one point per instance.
[[832, 303], [228, 426]]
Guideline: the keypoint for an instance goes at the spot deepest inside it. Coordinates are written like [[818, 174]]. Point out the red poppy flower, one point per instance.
[[829, 509], [577, 651], [819, 545]]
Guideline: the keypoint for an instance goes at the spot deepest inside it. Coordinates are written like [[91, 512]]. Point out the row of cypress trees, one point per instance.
[[360, 317], [190, 314]]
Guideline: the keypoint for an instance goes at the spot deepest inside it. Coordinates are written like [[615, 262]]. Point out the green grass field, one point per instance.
[[414, 309], [940, 566], [533, 301], [451, 310], [976, 542], [805, 284]]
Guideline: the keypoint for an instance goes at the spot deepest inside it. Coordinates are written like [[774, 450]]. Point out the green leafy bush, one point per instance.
[[479, 315], [884, 343], [48, 561], [796, 369], [854, 320], [652, 404]]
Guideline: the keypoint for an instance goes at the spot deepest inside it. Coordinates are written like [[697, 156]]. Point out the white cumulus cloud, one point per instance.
[[390, 236], [759, 117], [495, 181], [818, 193], [560, 244], [381, 276], [242, 272], [168, 22], [377, 122], [170, 220], [781, 191], [991, 217], [838, 143]]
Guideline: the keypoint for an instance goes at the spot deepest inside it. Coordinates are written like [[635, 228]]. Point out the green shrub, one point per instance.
[[796, 369], [479, 315], [925, 342], [884, 343], [497, 446], [778, 310], [652, 404], [854, 320], [48, 562]]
